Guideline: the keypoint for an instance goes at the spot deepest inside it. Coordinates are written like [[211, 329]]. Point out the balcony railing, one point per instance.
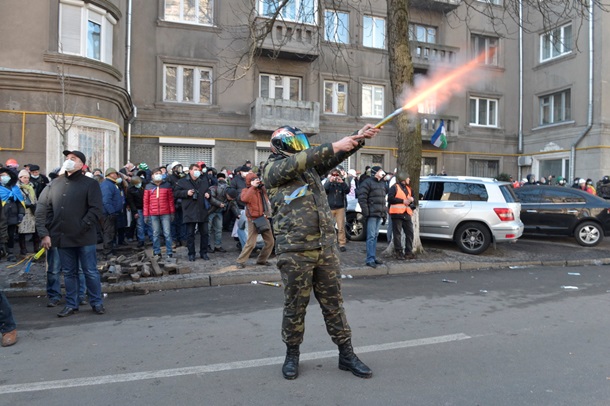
[[443, 6], [289, 40], [424, 54], [269, 114], [430, 122]]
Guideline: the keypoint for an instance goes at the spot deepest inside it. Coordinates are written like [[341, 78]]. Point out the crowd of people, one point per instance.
[[600, 188], [78, 208]]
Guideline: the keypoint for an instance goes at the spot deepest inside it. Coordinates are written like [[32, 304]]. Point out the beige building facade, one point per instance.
[[158, 81]]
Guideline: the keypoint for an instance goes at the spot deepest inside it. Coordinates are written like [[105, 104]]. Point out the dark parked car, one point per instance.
[[561, 211]]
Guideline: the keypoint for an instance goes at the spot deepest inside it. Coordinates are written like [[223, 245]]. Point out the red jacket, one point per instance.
[[158, 200], [253, 198]]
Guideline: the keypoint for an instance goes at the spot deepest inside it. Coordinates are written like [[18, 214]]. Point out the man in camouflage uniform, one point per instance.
[[306, 240]]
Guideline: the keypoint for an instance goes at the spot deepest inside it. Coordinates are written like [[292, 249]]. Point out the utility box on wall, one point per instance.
[[525, 161]]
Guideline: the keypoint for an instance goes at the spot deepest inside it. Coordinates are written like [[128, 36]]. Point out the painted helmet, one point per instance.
[[288, 140]]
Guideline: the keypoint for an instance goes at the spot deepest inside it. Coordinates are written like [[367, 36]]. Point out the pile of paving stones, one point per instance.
[[139, 265]]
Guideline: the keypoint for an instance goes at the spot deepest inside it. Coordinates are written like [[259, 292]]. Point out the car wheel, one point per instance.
[[354, 227], [473, 238], [588, 234]]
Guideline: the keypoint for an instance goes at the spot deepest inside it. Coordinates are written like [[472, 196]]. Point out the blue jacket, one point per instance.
[[112, 197]]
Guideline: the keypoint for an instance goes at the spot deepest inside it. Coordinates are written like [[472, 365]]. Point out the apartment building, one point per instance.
[[165, 80]]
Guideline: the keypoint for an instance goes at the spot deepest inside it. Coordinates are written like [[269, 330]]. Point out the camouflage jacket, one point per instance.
[[305, 222]]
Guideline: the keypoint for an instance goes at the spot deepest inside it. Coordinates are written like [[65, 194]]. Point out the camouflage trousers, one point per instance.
[[316, 270]]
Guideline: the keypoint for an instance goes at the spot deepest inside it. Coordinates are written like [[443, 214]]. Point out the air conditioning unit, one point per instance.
[[525, 161]]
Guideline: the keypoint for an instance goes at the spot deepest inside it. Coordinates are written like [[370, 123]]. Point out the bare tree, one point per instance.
[[59, 110]]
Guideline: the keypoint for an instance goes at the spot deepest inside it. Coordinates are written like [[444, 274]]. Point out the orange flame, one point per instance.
[[441, 85]]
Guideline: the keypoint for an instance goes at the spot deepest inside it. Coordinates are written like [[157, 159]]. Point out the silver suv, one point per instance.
[[471, 211]]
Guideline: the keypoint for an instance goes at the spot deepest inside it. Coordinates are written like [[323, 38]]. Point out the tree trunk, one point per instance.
[[408, 139]]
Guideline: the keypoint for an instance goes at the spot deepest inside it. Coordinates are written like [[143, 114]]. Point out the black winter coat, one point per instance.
[[336, 193], [13, 207], [69, 209], [371, 196], [193, 210]]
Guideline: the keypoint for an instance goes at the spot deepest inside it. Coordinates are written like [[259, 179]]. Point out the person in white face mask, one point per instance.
[[193, 190], [67, 213], [37, 179]]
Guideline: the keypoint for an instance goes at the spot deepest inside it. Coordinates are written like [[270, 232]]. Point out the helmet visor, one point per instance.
[[292, 144]]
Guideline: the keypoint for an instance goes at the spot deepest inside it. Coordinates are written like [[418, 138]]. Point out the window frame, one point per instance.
[[296, 6], [414, 27], [373, 103], [373, 35], [197, 81], [208, 20], [339, 28], [285, 86], [476, 110], [490, 60], [566, 110], [335, 97], [75, 40], [547, 39]]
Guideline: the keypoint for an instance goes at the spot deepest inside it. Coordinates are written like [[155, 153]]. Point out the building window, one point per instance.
[[336, 26], [372, 100], [190, 11], [555, 108], [335, 97], [428, 166], [485, 48], [556, 43], [280, 87], [186, 155], [374, 32], [422, 33], [85, 30], [300, 11], [483, 112], [495, 2], [484, 168], [187, 84]]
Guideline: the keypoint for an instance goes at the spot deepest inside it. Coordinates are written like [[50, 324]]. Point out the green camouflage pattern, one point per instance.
[[306, 223], [316, 270]]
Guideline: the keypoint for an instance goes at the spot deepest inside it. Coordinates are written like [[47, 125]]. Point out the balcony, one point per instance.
[[424, 54], [269, 114], [443, 6], [289, 40], [430, 122]]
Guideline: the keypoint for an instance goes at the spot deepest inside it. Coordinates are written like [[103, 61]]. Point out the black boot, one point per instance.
[[290, 369], [348, 361], [398, 254]]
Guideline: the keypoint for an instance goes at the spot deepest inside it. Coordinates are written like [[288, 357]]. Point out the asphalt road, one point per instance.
[[502, 337]]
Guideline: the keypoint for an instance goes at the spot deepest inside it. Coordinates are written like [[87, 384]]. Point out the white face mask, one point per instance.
[[158, 177], [5, 179], [196, 174], [119, 181], [69, 165], [35, 176]]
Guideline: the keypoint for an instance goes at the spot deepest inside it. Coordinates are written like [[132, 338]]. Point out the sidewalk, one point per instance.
[[221, 270]]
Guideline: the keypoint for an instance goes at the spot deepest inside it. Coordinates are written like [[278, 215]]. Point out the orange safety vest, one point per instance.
[[401, 208]]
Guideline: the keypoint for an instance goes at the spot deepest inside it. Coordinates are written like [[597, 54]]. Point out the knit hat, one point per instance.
[[375, 169], [23, 172], [232, 193], [582, 180], [221, 175], [143, 166]]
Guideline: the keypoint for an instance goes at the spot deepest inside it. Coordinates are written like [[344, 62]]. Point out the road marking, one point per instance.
[[202, 369]]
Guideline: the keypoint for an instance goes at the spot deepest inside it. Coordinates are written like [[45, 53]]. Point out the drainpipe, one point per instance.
[[520, 129], [134, 109], [590, 101]]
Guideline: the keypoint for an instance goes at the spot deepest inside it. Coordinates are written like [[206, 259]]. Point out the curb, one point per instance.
[[186, 281]]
